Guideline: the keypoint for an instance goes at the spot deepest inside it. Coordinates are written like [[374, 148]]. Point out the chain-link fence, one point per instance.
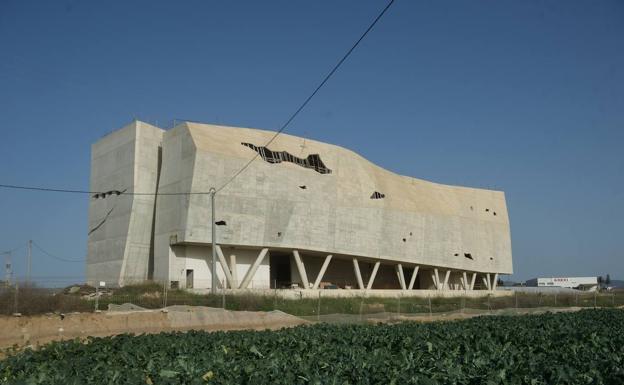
[[322, 305]]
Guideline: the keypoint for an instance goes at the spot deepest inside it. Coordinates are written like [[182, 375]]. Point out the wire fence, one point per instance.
[[26, 299]]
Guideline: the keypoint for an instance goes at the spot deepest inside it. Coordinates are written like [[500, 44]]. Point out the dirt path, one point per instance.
[[38, 330]]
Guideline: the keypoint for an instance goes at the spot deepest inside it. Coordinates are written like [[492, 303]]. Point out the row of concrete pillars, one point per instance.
[[467, 279]]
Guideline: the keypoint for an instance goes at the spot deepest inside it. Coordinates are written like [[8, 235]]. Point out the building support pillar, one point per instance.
[[225, 267], [319, 277], [486, 280], [446, 278], [358, 275], [472, 281], [400, 275], [436, 278], [234, 270], [252, 269], [465, 281], [495, 281], [301, 270], [372, 277], [413, 279]]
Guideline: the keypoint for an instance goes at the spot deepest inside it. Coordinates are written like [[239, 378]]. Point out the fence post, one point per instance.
[[164, 294], [223, 294], [595, 295], [275, 294], [361, 305], [430, 312], [16, 304], [318, 308], [97, 297], [555, 299]]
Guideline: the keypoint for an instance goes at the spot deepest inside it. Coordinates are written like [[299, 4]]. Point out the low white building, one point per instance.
[[585, 283]]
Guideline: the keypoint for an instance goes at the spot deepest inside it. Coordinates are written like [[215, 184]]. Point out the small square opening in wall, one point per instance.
[[404, 240], [486, 210], [494, 213], [468, 255], [456, 254]]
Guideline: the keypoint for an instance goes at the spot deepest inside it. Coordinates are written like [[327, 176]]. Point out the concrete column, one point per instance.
[[465, 281], [495, 281], [225, 267], [472, 282], [400, 275], [413, 279], [446, 278], [372, 277], [319, 277], [301, 270], [358, 275], [252, 269], [489, 282], [234, 270], [437, 279]]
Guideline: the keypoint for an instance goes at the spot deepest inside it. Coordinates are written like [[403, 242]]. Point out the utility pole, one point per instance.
[[213, 280], [8, 269], [29, 261]]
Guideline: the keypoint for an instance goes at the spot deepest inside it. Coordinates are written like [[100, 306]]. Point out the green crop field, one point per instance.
[[585, 347]]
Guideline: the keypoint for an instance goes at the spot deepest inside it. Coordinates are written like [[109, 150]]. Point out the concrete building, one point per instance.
[[303, 213]]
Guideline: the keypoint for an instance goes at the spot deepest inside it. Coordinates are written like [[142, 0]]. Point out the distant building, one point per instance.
[[581, 283]]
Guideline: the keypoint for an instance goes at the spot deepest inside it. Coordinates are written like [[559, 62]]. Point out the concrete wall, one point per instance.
[[120, 239], [418, 222]]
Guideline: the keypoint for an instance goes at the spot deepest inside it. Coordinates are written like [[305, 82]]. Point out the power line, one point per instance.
[[54, 256], [307, 100], [102, 194], [93, 193]]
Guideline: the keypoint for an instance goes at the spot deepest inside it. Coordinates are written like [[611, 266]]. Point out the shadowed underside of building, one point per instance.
[[303, 213]]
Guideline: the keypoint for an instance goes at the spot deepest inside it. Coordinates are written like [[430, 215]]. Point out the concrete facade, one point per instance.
[[304, 212]]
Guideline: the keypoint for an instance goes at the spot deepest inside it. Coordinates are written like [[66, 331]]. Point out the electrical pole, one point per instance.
[[8, 269], [29, 261], [213, 280]]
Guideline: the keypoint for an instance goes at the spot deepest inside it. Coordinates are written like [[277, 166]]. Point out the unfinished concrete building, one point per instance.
[[304, 214]]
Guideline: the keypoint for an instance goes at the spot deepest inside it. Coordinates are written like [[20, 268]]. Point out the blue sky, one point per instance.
[[522, 96]]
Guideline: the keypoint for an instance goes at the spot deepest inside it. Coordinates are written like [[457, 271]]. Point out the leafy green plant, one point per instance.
[[586, 347]]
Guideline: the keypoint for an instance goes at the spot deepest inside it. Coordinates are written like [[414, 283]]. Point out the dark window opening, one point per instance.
[[220, 223], [456, 254], [471, 208], [491, 259], [404, 240], [486, 210], [313, 161], [305, 187], [279, 233], [494, 213], [468, 255], [377, 195], [410, 233]]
